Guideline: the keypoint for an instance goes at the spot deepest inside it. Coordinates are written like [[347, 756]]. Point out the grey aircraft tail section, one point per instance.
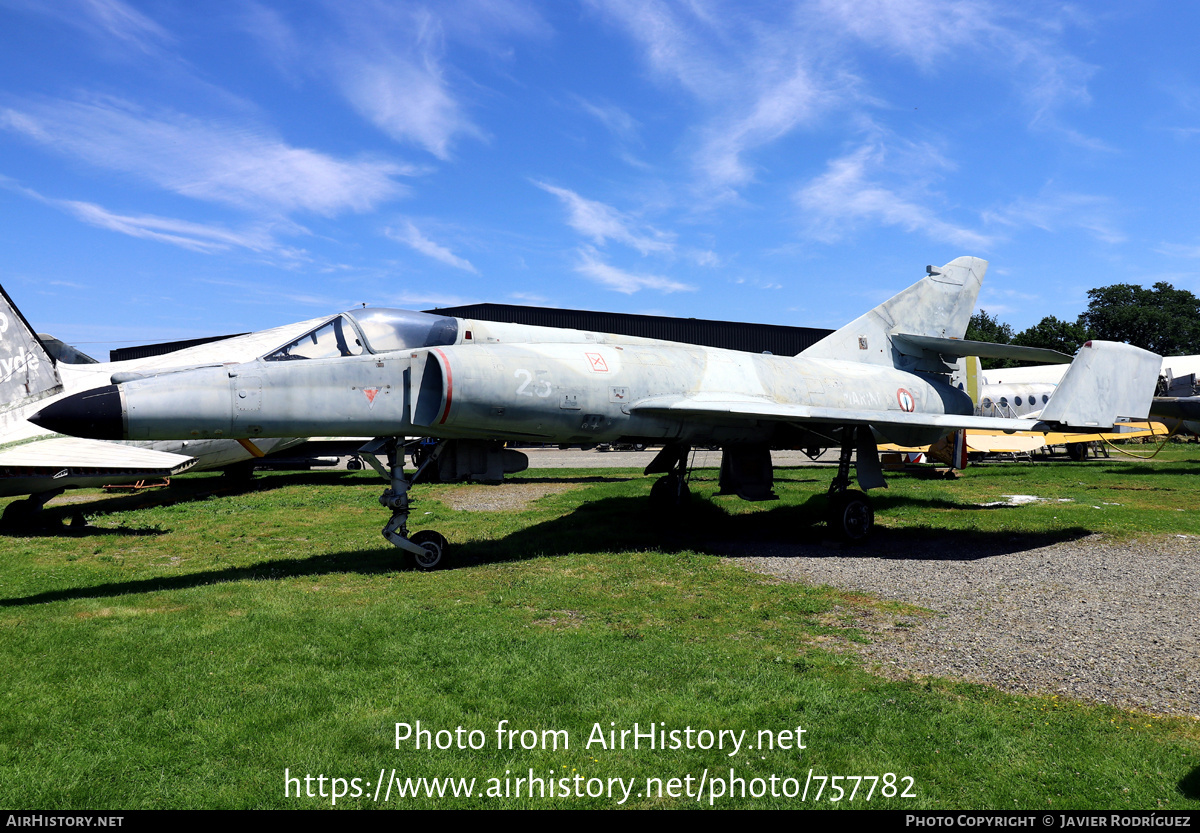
[[27, 372], [937, 306], [1106, 381]]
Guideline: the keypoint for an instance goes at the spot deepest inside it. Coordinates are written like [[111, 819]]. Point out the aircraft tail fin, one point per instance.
[[1107, 380], [939, 306], [27, 372]]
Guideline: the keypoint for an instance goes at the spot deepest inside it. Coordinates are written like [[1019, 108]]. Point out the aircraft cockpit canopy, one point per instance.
[[369, 330]]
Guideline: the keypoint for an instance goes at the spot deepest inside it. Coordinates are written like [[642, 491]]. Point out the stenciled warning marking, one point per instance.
[[906, 400], [597, 362], [370, 394]]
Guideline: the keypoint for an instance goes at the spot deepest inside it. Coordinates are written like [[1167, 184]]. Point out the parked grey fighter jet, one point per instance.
[[393, 373]]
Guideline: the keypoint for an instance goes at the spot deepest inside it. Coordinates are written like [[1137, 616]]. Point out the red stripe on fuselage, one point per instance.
[[449, 387]]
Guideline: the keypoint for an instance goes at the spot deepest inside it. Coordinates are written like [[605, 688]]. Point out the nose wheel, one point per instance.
[[426, 550], [435, 550]]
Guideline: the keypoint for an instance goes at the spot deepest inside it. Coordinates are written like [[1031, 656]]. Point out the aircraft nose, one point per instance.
[[95, 414]]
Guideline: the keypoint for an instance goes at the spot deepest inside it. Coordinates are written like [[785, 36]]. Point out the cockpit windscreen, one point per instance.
[[400, 329], [336, 337], [369, 330]]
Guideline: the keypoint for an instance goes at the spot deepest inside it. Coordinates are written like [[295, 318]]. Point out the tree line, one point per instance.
[[1162, 319]]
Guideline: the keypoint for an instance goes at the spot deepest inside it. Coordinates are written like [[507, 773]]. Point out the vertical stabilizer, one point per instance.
[[1107, 380], [938, 305], [27, 373]]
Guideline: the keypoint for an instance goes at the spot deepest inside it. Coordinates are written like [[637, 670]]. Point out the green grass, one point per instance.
[[184, 654]]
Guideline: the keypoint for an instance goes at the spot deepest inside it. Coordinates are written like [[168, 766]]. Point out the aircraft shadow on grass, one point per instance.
[[68, 519], [622, 524], [1189, 785], [361, 561]]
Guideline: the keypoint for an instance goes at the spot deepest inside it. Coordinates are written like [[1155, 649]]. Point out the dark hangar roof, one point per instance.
[[731, 335]]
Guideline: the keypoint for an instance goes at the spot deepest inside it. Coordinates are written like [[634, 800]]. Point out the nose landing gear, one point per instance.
[[426, 550]]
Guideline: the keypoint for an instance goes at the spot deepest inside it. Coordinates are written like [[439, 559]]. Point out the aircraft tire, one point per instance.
[[21, 514], [851, 517], [1077, 451], [668, 493], [437, 551]]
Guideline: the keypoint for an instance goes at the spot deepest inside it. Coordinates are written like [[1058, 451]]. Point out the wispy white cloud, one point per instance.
[[420, 298], [758, 283], [277, 39], [411, 236], [757, 79], [198, 237], [183, 233], [923, 31], [787, 102], [528, 297], [1054, 210], [618, 122], [675, 45], [233, 164], [1027, 49], [847, 194], [763, 72], [399, 83], [1179, 250], [490, 25], [195, 236], [601, 223], [104, 20], [388, 60], [619, 280]]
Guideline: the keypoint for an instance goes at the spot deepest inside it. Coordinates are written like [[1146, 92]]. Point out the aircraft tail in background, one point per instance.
[[27, 372]]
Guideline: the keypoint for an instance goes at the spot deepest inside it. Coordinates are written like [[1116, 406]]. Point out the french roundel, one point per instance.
[[906, 400]]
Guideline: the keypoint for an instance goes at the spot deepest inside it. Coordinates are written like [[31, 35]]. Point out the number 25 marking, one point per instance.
[[541, 387]]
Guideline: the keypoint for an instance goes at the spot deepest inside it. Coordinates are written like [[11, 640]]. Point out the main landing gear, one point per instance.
[[670, 492], [27, 514], [850, 515], [425, 550]]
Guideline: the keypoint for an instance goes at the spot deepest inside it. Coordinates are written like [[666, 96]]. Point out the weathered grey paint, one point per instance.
[[514, 382]]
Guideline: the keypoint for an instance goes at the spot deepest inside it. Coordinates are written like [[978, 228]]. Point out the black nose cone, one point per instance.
[[94, 413]]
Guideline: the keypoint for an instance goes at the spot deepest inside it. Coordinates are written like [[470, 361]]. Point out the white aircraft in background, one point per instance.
[[1022, 393], [41, 463]]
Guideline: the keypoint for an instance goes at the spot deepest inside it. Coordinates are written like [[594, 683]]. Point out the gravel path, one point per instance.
[[1094, 619]]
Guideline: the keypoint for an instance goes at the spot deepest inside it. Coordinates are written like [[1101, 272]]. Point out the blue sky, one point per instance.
[[171, 169]]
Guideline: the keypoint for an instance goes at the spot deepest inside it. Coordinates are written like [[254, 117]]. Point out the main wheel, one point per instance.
[[669, 493], [21, 514], [851, 517], [437, 551]]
